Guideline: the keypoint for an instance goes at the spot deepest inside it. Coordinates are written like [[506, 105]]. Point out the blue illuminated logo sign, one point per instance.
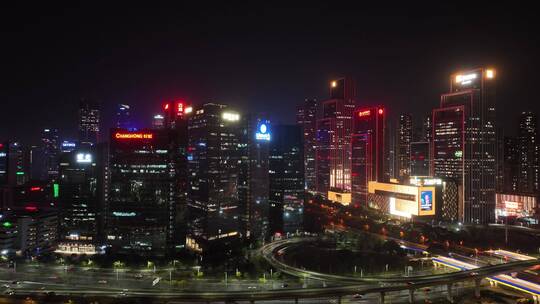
[[263, 132], [426, 200]]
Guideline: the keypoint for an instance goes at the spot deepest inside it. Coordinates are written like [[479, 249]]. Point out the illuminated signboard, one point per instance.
[[84, 158], [466, 79], [188, 110], [35, 188], [124, 214], [458, 154], [68, 144], [230, 116], [120, 135], [426, 200], [364, 113], [3, 154], [179, 108], [263, 132], [56, 190]]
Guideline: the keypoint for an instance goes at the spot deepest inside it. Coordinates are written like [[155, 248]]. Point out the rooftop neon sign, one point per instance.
[[364, 113], [119, 135], [263, 133]]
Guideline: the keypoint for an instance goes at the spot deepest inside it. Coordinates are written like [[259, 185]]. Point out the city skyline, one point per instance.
[[249, 153]]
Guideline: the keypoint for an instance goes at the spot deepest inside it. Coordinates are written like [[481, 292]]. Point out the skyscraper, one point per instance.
[[19, 163], [78, 201], [464, 142], [123, 116], [253, 176], [50, 146], [405, 134], [306, 117], [4, 163], [89, 119], [158, 121], [368, 151], [420, 158], [286, 167], [511, 166], [333, 153], [214, 156], [528, 153], [141, 200]]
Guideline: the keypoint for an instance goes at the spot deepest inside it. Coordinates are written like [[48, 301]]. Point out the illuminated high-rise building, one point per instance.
[[50, 146], [510, 167], [123, 116], [286, 167], [158, 121], [253, 176], [405, 134], [141, 202], [368, 152], [19, 163], [306, 117], [4, 163], [420, 158], [89, 120], [528, 153], [333, 152], [427, 127], [78, 200], [214, 158], [464, 142]]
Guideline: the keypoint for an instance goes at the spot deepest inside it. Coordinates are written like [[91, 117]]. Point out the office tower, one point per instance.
[[427, 128], [391, 153], [528, 153], [141, 192], [333, 153], [50, 146], [420, 158], [306, 117], [253, 185], [4, 163], [405, 134], [89, 119], [78, 201], [19, 163], [511, 166], [177, 128], [123, 120], [173, 112], [368, 151], [158, 121], [286, 170], [464, 142], [213, 164]]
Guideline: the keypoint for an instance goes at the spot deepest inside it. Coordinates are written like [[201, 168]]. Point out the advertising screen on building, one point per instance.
[[426, 200]]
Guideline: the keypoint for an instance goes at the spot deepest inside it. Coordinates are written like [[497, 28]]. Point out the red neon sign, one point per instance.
[[364, 113], [166, 107], [179, 108], [381, 111], [119, 135], [31, 208], [35, 189]]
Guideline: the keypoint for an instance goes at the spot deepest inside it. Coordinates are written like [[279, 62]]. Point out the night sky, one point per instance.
[[266, 59]]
